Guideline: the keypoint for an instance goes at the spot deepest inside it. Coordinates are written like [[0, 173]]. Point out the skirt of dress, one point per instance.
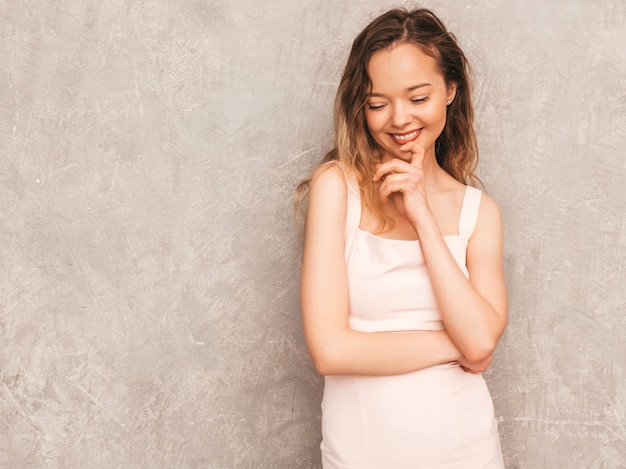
[[438, 418]]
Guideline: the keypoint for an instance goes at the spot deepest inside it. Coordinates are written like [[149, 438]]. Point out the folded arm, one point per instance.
[[333, 346], [474, 311]]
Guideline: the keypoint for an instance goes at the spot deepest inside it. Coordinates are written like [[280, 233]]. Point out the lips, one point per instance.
[[406, 137]]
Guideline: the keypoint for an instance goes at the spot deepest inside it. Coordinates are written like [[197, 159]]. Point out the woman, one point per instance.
[[403, 294]]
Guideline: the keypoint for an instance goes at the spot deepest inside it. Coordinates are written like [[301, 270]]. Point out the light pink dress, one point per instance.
[[441, 417]]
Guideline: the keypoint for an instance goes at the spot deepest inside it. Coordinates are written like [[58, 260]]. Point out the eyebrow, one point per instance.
[[421, 85], [411, 88]]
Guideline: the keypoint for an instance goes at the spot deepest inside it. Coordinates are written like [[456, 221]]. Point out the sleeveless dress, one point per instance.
[[438, 418]]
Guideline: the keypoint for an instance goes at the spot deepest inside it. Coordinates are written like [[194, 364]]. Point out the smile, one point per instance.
[[403, 138]]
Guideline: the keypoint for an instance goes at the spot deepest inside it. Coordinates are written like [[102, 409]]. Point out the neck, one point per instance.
[[434, 175]]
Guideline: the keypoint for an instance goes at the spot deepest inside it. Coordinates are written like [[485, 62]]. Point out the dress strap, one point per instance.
[[469, 212]]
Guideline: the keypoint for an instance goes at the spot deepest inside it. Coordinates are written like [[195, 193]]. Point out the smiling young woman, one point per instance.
[[403, 295]]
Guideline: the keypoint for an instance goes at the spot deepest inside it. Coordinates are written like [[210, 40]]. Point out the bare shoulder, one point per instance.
[[489, 223], [329, 175], [328, 184], [489, 207], [326, 217]]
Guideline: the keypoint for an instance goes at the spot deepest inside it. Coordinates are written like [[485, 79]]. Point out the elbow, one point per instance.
[[482, 347], [325, 361], [480, 353], [322, 367], [479, 363], [477, 360]]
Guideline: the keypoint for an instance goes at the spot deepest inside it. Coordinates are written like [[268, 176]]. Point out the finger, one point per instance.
[[388, 188], [417, 153], [417, 159], [396, 183], [391, 167]]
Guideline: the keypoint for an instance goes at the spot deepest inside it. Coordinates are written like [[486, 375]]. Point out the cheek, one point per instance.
[[374, 121], [435, 113]]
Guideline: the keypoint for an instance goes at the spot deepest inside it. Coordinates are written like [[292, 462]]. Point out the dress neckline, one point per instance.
[[397, 240]]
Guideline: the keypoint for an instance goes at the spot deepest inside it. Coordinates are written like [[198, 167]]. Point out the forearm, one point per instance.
[[472, 322], [349, 352]]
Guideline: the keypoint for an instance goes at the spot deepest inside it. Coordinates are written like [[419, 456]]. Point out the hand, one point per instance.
[[475, 367], [403, 182]]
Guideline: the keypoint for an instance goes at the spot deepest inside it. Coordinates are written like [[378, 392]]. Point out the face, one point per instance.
[[407, 101]]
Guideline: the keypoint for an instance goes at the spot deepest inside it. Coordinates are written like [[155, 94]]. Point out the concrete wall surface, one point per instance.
[[149, 263]]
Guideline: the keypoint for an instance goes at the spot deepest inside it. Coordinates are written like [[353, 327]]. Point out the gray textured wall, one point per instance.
[[149, 262]]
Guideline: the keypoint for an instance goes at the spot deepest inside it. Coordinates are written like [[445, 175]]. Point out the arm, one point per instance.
[[333, 346], [474, 310], [475, 315]]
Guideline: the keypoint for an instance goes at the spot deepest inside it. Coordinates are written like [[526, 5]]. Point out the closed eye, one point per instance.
[[420, 100], [375, 107]]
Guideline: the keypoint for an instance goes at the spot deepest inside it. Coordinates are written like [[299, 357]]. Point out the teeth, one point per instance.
[[405, 137]]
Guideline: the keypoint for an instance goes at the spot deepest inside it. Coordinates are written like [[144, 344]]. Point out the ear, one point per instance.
[[451, 93]]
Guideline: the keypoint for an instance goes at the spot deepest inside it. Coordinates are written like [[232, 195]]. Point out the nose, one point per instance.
[[401, 115]]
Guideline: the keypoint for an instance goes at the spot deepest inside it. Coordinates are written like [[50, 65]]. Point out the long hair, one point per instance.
[[354, 147]]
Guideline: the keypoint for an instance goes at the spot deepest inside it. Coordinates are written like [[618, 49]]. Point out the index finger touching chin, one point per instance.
[[417, 156]]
